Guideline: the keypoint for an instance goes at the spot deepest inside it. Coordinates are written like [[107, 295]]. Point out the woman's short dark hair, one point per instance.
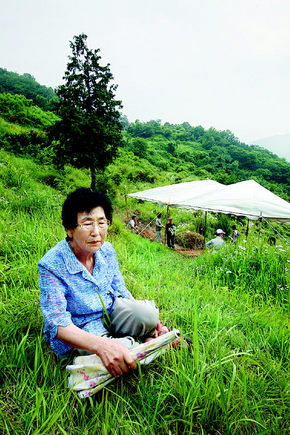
[[81, 200]]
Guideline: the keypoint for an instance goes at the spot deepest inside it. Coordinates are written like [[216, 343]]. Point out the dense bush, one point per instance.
[[19, 110]]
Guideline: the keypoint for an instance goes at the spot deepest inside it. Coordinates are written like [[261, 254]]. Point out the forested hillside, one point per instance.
[[194, 151], [26, 85], [151, 152]]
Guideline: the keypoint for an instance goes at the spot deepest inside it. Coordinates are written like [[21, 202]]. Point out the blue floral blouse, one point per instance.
[[70, 294]]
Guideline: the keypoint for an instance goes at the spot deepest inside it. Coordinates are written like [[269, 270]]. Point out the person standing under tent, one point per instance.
[[159, 227], [170, 233], [235, 234], [218, 242]]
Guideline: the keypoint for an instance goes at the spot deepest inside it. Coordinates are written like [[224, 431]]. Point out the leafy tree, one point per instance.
[[171, 147], [124, 121], [90, 130], [139, 147]]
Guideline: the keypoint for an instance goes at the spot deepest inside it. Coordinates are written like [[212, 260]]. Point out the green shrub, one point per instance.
[[19, 110]]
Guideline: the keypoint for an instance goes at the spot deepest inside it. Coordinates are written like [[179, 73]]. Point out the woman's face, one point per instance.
[[90, 233]]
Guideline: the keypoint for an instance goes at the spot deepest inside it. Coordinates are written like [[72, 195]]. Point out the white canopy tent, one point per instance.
[[247, 198]]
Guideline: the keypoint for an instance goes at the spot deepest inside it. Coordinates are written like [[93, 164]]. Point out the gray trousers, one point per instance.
[[158, 236], [131, 319]]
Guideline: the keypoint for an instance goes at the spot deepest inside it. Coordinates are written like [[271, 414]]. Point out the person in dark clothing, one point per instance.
[[170, 233]]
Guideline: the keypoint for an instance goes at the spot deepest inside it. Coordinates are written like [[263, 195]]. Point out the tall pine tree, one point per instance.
[[89, 132]]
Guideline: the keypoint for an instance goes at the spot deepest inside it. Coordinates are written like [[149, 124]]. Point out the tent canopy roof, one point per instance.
[[246, 198]]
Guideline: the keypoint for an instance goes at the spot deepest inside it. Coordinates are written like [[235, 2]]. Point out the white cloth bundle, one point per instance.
[[88, 375]]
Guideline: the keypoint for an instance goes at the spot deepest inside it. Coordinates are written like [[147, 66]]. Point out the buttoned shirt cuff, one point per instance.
[[52, 329]]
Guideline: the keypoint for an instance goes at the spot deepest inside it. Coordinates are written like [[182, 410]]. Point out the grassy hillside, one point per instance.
[[233, 305], [23, 127]]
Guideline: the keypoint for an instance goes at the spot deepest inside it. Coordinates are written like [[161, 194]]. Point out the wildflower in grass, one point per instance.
[[242, 247], [283, 287]]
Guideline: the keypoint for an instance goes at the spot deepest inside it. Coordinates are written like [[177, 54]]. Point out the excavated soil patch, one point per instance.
[[194, 241]]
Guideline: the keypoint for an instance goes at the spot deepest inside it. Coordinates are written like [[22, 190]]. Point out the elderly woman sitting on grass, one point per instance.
[[84, 300]]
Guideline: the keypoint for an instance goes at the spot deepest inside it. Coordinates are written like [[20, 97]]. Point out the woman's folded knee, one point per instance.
[[147, 314], [135, 317]]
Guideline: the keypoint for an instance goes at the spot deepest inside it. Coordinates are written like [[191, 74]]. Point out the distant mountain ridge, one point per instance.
[[279, 144]]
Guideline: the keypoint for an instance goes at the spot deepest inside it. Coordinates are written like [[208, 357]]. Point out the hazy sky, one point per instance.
[[216, 63]]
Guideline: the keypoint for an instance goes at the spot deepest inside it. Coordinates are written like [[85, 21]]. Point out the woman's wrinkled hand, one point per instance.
[[160, 329], [115, 356]]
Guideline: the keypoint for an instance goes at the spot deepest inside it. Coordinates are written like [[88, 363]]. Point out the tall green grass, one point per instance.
[[233, 304]]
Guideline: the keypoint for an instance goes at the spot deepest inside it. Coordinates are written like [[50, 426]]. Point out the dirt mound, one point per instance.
[[190, 240], [188, 252], [146, 233], [188, 244]]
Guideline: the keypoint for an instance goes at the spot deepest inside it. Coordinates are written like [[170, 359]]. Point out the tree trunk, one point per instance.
[[93, 176]]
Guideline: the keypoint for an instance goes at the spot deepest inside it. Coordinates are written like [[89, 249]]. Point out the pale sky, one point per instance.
[[216, 63]]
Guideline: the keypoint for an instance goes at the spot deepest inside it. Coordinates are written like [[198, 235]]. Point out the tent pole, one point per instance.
[[260, 225], [126, 206], [165, 235], [276, 231], [247, 229], [205, 216], [198, 225]]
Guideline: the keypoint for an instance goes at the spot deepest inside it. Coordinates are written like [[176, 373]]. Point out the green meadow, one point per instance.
[[232, 304]]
